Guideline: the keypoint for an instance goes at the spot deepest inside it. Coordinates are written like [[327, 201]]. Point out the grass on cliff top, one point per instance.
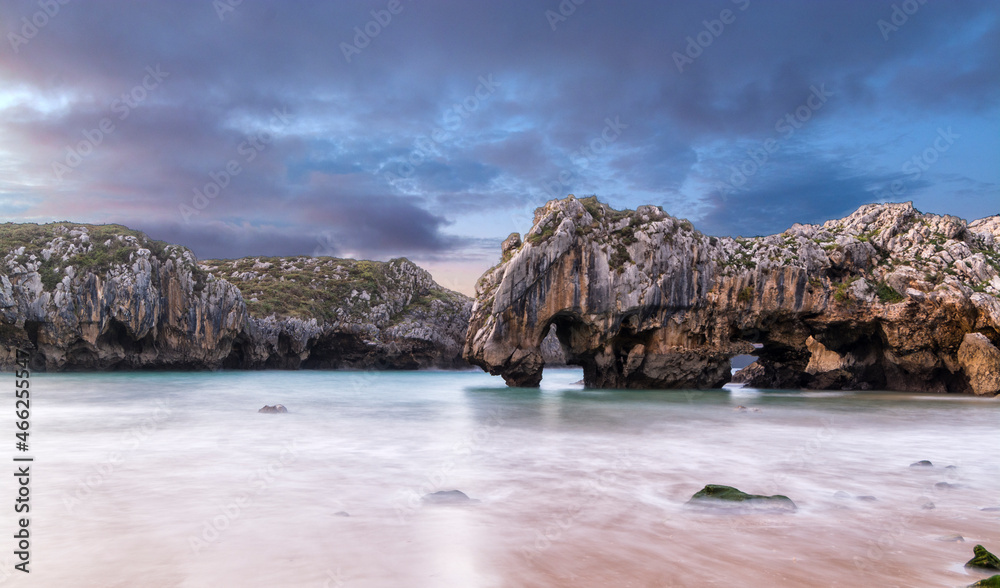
[[306, 287], [99, 259], [33, 237], [603, 212]]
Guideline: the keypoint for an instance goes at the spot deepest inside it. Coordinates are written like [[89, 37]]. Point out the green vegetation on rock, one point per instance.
[[729, 494], [56, 246], [983, 559], [887, 294], [323, 288]]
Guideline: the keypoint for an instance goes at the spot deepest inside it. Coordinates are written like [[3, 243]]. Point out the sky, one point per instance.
[[433, 129]]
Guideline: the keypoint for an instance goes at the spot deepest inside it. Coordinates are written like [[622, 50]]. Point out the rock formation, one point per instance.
[[273, 409], [105, 297], [719, 496], [882, 299]]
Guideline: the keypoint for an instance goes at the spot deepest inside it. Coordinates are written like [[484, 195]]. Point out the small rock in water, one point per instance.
[[718, 496], [841, 494], [946, 485], [923, 463], [991, 582], [951, 467], [867, 498], [991, 509], [952, 539], [341, 514], [983, 559], [448, 497], [928, 506], [277, 408]]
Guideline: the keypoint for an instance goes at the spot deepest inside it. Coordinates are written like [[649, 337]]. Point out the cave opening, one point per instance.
[[556, 347], [330, 351], [237, 357], [738, 362]]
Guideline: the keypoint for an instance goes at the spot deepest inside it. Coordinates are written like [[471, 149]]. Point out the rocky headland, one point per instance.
[[887, 298], [103, 297]]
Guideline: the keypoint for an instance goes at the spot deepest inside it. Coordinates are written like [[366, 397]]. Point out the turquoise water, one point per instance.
[[174, 479]]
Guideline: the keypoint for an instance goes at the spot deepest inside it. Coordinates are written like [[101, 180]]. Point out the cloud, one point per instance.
[[805, 190], [553, 84]]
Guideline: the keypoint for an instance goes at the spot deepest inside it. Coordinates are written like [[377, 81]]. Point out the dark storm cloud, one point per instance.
[[815, 192], [455, 109]]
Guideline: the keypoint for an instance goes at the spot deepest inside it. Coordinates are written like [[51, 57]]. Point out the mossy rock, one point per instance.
[[991, 582], [727, 496], [983, 559]]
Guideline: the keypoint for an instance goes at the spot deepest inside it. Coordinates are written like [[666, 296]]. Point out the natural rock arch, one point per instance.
[[880, 299]]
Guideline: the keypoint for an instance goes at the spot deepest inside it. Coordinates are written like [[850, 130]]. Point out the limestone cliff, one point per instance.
[[322, 312], [882, 299], [105, 297]]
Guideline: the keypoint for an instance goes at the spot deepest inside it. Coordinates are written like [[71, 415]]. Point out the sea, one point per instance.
[[171, 479]]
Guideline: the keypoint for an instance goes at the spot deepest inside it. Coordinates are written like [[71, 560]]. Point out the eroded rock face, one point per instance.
[[881, 299], [98, 298], [980, 360]]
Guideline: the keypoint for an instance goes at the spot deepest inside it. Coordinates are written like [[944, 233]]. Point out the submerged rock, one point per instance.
[[882, 299], [983, 559], [448, 497], [922, 463], [952, 539], [277, 408], [718, 496]]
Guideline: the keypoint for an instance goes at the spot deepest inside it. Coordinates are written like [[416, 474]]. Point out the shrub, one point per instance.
[[619, 257], [51, 276], [539, 238], [887, 294], [745, 295]]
